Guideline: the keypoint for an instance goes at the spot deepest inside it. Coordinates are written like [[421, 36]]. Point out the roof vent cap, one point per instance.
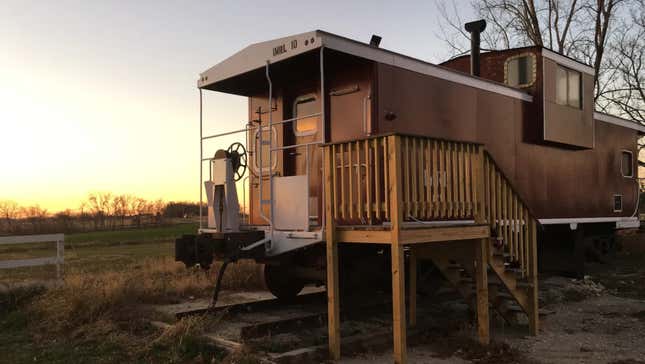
[[375, 41]]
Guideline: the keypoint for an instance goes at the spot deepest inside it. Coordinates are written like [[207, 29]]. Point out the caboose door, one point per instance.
[[305, 158]]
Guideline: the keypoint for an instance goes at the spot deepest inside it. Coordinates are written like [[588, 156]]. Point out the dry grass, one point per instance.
[[86, 298], [112, 307]]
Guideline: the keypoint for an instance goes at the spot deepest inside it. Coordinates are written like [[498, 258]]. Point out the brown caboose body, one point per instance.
[[355, 147]]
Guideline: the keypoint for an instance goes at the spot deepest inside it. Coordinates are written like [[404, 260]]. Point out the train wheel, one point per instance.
[[282, 282]]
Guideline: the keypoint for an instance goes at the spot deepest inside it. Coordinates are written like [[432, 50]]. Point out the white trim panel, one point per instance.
[[619, 121], [621, 222], [567, 62]]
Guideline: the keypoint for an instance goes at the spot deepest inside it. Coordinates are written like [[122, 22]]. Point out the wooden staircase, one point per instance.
[[511, 252], [508, 292], [447, 201]]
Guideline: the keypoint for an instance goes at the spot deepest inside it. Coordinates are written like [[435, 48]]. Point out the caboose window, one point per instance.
[[618, 203], [568, 85], [303, 106], [627, 164], [520, 70]]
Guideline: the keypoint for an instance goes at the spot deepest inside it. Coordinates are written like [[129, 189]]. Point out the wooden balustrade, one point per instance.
[[441, 181], [438, 179]]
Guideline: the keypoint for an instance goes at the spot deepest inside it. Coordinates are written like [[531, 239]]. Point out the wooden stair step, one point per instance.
[[521, 283], [512, 308], [504, 255], [504, 295]]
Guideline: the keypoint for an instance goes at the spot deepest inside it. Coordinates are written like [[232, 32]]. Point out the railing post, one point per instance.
[[398, 261], [478, 177], [333, 304]]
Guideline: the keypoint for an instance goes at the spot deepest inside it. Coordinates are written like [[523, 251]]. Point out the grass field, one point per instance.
[[99, 312]]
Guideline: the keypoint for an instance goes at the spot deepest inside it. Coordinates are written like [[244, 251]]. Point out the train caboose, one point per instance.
[[482, 162]]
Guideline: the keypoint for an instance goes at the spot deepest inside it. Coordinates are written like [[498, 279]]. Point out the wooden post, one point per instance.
[[333, 305], [481, 272], [398, 261], [412, 288], [479, 188], [534, 318]]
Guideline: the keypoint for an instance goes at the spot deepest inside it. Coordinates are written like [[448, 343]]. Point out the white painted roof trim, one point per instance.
[[256, 56], [619, 121], [567, 62]]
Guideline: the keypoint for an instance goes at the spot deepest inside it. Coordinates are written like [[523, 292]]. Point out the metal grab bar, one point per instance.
[[257, 127], [276, 149]]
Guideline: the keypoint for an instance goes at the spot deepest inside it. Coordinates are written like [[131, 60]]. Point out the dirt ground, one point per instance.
[[598, 319]]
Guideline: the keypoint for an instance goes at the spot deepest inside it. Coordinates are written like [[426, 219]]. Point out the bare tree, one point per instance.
[[36, 217], [625, 95], [9, 212], [100, 206], [576, 28]]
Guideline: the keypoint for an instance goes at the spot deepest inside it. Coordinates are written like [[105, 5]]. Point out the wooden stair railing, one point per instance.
[[513, 252]]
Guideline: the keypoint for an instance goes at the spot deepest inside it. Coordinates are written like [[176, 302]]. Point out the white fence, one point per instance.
[[59, 259]]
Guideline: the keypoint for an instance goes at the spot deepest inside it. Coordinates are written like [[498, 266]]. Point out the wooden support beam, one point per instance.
[[398, 304], [481, 273], [444, 233], [333, 297], [398, 262], [364, 236], [534, 324], [412, 288]]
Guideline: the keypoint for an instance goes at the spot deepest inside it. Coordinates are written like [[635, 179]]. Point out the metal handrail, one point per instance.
[[257, 127]]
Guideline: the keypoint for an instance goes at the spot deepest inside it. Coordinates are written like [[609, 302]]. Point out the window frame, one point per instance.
[[613, 202], [631, 156], [264, 170], [567, 72], [298, 100], [532, 72]]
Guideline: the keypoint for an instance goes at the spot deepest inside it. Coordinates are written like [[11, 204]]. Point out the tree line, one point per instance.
[[99, 211]]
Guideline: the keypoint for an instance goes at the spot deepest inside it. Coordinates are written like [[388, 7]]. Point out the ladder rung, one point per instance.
[[266, 142], [265, 202]]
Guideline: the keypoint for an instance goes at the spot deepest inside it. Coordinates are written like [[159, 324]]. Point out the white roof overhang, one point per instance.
[[626, 123], [257, 55]]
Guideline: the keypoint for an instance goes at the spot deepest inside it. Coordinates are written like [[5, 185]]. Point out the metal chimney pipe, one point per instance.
[[475, 28]]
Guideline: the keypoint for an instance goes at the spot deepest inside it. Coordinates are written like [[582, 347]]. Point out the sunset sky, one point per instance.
[[101, 95]]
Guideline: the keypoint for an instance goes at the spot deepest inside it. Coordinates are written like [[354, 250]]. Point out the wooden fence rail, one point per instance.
[[58, 259]]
